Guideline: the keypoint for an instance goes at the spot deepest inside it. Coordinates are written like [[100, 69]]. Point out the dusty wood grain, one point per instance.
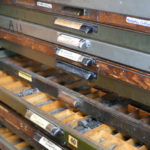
[[113, 19], [127, 74]]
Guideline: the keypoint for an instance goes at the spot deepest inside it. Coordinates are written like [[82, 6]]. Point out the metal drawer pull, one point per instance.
[[88, 75], [46, 142], [74, 41], [75, 57], [38, 120], [75, 25]]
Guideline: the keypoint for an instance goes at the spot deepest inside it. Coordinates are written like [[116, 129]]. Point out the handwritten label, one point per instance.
[[65, 39], [25, 75], [48, 144], [69, 55], [46, 5], [137, 21], [39, 121]]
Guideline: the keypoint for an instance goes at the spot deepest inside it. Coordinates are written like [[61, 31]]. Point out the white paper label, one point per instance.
[[65, 39], [46, 5], [70, 55], [39, 121], [48, 144], [138, 21]]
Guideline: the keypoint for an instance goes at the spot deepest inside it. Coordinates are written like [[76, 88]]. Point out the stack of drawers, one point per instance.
[[75, 74]]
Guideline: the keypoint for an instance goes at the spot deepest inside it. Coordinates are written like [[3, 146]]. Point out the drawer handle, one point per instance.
[[87, 61], [83, 73], [48, 126], [74, 41], [76, 25]]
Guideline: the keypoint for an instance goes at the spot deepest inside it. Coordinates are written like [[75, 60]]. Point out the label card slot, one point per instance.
[[38, 120], [137, 21], [45, 142], [75, 25], [42, 4], [73, 41], [75, 57]]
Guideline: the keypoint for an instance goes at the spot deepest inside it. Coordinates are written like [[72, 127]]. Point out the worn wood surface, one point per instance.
[[103, 67], [109, 18], [99, 111], [20, 126], [119, 20]]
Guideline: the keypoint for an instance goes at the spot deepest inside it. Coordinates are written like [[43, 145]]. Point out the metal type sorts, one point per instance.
[[47, 53], [114, 104], [105, 136]]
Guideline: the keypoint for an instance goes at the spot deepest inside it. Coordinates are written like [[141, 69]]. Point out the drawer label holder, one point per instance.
[[83, 73], [48, 126], [48, 144], [74, 41], [46, 5], [138, 21], [75, 25], [75, 57]]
